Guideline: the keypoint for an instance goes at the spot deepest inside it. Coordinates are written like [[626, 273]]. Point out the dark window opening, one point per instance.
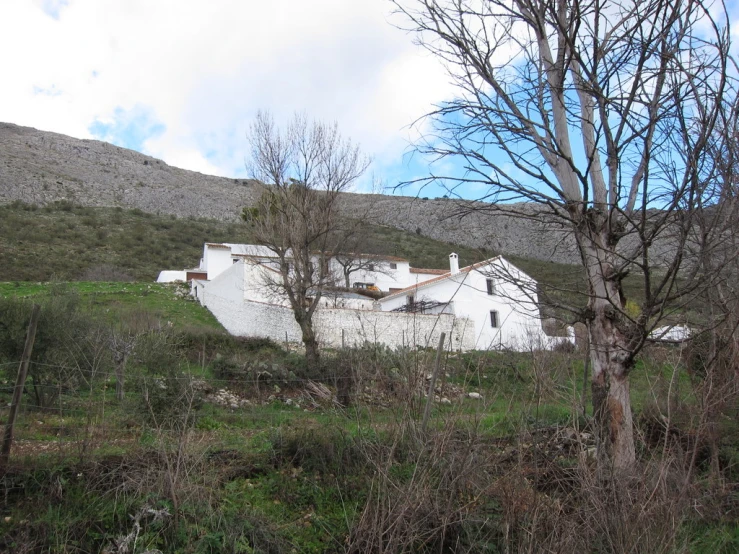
[[494, 319], [491, 288], [393, 266]]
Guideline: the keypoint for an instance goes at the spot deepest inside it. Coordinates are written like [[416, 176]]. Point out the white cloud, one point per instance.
[[202, 69]]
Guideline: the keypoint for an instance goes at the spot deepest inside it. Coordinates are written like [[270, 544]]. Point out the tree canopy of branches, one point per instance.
[[601, 113], [305, 167]]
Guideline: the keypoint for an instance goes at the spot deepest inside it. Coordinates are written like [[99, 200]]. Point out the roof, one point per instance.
[[364, 256], [344, 294], [446, 275], [429, 271], [261, 251], [256, 250], [383, 257]]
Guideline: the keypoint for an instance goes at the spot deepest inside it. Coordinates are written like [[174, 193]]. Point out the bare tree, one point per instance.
[[598, 113], [306, 167]]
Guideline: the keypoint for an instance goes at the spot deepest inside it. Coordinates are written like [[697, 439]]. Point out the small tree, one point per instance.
[[307, 166]]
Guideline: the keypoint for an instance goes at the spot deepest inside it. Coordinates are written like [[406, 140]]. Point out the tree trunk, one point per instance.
[[310, 342], [612, 411], [611, 354]]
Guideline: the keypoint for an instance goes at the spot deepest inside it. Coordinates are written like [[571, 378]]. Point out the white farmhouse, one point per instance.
[[500, 300], [491, 304], [386, 273]]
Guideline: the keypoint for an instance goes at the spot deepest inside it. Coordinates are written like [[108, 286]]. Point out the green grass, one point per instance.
[[112, 299], [270, 477]]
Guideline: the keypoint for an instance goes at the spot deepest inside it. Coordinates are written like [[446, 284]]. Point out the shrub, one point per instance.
[[67, 349], [166, 396]]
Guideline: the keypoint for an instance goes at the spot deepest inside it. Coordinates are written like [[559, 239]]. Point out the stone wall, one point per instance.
[[334, 325]]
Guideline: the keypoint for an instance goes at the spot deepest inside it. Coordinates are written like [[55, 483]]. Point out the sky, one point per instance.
[[182, 80]]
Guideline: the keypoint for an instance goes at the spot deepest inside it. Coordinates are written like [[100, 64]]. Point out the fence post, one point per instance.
[[19, 384], [432, 386]]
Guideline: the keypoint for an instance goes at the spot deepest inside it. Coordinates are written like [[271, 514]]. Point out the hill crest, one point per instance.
[[41, 167]]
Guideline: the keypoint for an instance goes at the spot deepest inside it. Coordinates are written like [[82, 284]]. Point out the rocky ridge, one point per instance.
[[41, 167]]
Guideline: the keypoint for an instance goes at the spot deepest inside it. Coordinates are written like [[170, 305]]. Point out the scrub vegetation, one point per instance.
[[221, 444], [71, 242]]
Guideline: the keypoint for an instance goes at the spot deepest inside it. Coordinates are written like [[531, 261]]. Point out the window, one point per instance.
[[371, 267], [410, 300], [493, 318], [491, 288], [393, 266], [236, 260]]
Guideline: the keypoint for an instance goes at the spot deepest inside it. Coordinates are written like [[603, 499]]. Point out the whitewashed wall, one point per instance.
[[384, 278], [216, 260], [514, 299], [256, 319]]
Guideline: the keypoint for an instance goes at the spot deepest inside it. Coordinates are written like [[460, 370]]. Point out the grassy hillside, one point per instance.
[[70, 242], [67, 242], [168, 304]]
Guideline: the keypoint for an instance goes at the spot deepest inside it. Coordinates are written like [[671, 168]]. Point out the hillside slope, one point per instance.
[[39, 167]]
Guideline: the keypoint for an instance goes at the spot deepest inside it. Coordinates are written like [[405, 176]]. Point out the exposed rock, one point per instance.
[[39, 167], [227, 399]]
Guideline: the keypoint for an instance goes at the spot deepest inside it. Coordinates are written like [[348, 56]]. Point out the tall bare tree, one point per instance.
[[599, 113], [305, 168]]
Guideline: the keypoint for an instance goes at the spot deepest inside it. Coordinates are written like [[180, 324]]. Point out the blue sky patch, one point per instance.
[[128, 128], [53, 8], [47, 91]]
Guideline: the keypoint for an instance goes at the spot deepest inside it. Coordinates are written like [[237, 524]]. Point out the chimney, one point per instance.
[[454, 263]]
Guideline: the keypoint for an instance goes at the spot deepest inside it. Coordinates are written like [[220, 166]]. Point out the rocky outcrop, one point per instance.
[[40, 167]]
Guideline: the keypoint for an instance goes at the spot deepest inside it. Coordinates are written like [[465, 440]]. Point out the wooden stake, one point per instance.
[[432, 386], [18, 391]]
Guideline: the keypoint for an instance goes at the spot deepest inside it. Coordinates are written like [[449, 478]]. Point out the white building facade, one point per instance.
[[488, 305], [498, 298]]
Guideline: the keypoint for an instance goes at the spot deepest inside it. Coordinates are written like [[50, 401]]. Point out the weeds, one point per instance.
[[289, 467]]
